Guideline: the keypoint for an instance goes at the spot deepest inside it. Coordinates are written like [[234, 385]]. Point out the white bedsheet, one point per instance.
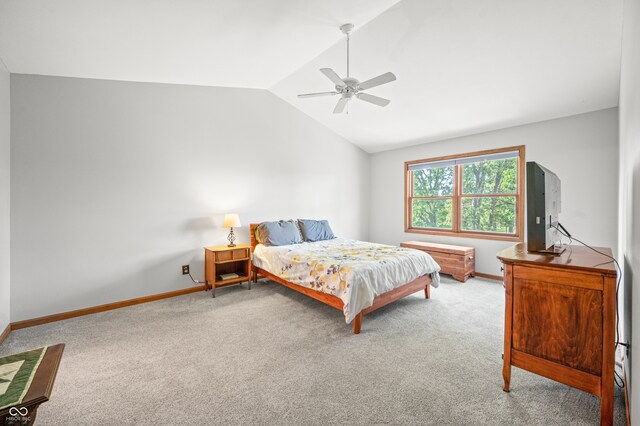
[[354, 271]]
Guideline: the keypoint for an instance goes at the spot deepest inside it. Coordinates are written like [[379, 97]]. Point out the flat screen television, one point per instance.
[[543, 208]]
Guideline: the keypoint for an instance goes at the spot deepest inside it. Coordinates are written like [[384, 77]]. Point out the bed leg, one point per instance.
[[427, 291], [357, 323]]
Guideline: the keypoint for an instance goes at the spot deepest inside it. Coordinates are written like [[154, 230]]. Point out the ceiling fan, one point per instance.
[[349, 87]]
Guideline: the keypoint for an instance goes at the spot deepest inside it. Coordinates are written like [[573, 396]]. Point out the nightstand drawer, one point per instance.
[[236, 254], [241, 253], [224, 255]]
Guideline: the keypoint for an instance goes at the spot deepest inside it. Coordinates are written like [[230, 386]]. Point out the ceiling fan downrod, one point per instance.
[[346, 29]]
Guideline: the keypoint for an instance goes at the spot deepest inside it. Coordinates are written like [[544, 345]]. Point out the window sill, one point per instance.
[[478, 236]]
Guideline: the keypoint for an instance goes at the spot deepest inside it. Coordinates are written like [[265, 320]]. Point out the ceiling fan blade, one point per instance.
[[340, 105], [373, 99], [387, 77], [313, 95], [331, 74]]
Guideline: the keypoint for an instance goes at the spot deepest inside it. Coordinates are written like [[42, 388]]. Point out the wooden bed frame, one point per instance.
[[421, 283]]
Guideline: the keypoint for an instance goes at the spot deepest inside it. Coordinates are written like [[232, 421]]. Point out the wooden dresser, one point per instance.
[[560, 315]]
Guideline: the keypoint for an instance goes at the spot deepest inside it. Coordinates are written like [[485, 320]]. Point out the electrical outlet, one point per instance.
[[185, 269]]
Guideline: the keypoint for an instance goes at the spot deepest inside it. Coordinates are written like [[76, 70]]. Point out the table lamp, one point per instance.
[[231, 220]]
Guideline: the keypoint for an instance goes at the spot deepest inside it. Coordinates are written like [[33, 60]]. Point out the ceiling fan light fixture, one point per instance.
[[350, 87]]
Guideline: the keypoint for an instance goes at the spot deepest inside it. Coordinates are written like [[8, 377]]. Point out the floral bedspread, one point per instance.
[[354, 271]]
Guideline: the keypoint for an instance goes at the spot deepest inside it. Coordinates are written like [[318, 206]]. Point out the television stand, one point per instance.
[[560, 316]]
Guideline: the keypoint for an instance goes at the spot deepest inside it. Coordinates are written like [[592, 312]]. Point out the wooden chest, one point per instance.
[[457, 261]]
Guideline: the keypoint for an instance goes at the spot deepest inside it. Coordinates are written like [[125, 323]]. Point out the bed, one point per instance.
[[355, 277]]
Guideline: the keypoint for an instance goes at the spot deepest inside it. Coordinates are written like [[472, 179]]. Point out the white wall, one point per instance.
[[115, 185], [5, 136], [630, 196], [582, 150]]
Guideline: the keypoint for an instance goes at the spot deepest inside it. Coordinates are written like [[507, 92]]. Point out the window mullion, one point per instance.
[[454, 201], [457, 213], [410, 206]]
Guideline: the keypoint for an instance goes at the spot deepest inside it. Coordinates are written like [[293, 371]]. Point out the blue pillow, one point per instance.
[[279, 233], [315, 230]]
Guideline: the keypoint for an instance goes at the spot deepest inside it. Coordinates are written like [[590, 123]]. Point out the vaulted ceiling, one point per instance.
[[468, 66], [233, 43], [463, 66]]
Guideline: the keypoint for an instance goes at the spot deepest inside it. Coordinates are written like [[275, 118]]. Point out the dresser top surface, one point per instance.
[[574, 257]]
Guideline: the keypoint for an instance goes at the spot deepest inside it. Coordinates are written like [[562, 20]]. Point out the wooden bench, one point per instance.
[[457, 261]]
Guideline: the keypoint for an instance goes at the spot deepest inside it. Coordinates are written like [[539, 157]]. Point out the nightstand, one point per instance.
[[223, 260]]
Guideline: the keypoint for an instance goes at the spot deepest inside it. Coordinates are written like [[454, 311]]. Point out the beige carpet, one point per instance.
[[273, 356]]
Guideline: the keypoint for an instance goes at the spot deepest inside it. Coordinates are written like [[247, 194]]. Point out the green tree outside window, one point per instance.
[[484, 201]]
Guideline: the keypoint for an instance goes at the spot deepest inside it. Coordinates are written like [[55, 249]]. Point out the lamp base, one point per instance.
[[231, 238]]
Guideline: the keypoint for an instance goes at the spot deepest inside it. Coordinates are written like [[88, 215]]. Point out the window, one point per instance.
[[475, 195]]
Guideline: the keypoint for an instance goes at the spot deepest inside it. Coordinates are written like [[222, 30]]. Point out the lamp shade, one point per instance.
[[231, 220]]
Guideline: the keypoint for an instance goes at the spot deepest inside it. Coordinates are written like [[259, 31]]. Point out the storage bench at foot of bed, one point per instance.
[[457, 261]]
